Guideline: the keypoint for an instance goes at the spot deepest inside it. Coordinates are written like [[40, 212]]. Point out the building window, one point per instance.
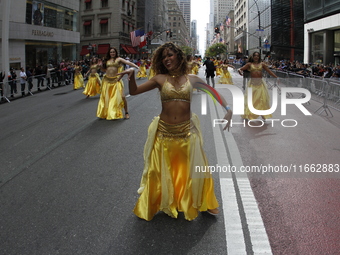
[[174, 24], [105, 3], [123, 4], [87, 27], [88, 4], [104, 26]]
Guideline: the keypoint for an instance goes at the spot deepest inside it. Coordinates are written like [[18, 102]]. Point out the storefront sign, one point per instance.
[[42, 33]]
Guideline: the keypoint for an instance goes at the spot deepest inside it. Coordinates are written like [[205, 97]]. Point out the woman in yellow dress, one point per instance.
[[142, 69], [151, 72], [226, 77], [191, 64], [112, 98], [260, 94], [174, 146], [217, 64], [94, 82], [78, 77], [196, 66]]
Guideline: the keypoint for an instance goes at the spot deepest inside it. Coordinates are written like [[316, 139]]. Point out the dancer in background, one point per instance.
[[78, 77], [260, 94], [226, 76], [174, 146], [94, 82], [112, 98], [142, 69]]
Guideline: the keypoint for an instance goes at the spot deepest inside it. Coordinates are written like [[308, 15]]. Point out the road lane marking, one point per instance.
[[245, 231]]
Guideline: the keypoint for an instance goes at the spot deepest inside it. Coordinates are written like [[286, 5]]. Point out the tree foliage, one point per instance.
[[187, 50], [216, 49]]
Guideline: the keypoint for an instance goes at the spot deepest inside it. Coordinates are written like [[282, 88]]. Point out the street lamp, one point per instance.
[[259, 29]]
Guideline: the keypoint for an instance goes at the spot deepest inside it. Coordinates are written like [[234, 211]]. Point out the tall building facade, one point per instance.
[[322, 31], [107, 23], [179, 30], [240, 28], [39, 32], [222, 9], [185, 7]]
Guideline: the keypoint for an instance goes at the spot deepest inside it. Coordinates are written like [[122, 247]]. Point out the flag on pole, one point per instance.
[[135, 37], [227, 21], [221, 27], [142, 41]]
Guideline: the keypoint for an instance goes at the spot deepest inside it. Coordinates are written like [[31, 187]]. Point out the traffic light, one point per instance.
[[169, 33], [217, 30]]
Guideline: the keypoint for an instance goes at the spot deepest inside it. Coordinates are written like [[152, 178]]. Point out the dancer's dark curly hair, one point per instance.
[[157, 60], [108, 56]]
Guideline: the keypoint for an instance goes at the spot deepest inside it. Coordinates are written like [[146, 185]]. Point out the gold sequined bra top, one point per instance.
[[254, 68], [94, 67], [111, 63], [170, 93]]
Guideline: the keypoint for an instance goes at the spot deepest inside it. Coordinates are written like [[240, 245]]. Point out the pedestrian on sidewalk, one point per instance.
[[170, 181], [260, 96], [23, 78], [12, 82]]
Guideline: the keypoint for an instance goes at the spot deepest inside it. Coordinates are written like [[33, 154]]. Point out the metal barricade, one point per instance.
[[333, 95]]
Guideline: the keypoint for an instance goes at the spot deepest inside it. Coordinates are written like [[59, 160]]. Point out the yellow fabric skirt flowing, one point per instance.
[[226, 78], [195, 69], [78, 81], [111, 102], [93, 85], [218, 71], [260, 98], [170, 181], [151, 73], [142, 72]]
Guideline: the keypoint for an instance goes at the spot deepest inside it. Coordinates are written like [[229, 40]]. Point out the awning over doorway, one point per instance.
[[103, 48], [84, 50]]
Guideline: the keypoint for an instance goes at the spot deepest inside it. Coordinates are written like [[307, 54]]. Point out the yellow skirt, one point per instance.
[[261, 100], [218, 71], [111, 99], [93, 85], [226, 78], [78, 81], [142, 72], [170, 182], [151, 73]]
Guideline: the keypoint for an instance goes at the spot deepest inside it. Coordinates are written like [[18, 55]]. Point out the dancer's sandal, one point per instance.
[[214, 212], [127, 116]]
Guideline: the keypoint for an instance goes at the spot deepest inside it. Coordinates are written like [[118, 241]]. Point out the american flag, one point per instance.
[[227, 21], [135, 37]]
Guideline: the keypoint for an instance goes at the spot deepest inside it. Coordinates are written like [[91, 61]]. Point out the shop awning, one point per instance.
[[103, 21], [87, 23], [132, 50], [103, 48], [88, 1], [125, 48], [84, 50]]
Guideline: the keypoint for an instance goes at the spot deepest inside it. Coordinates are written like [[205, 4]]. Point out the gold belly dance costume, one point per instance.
[[171, 154], [260, 96], [93, 84], [78, 78], [111, 98], [226, 76]]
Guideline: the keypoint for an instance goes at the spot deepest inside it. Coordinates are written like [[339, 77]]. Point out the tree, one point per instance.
[[216, 49], [187, 50]]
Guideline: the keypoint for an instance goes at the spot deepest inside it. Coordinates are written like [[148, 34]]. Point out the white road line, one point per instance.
[[233, 226]]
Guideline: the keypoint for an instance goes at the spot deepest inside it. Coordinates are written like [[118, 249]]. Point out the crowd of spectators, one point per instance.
[[329, 71]]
